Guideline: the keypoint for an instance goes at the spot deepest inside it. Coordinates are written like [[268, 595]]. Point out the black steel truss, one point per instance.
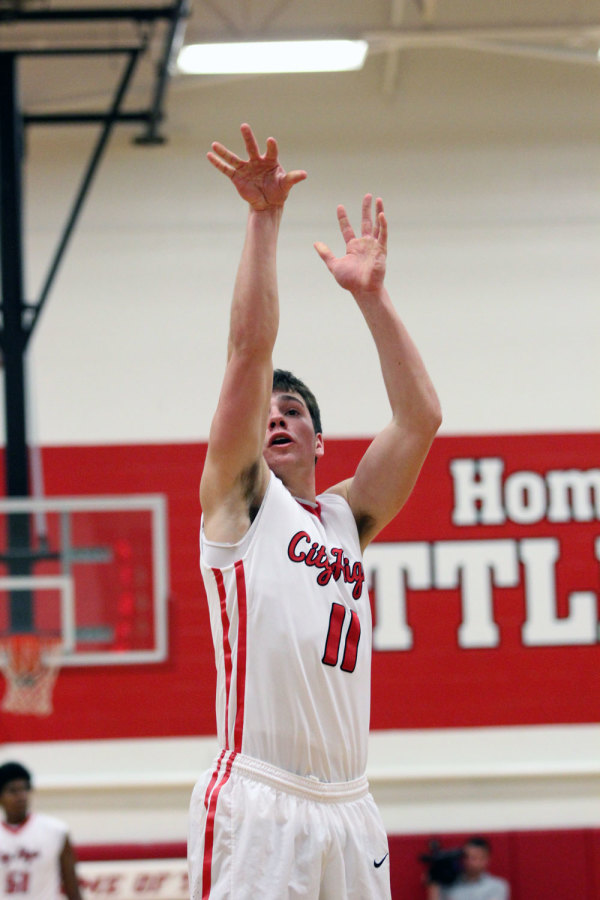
[[18, 317]]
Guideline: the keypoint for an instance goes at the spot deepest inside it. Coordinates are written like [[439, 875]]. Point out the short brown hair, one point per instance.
[[286, 381]]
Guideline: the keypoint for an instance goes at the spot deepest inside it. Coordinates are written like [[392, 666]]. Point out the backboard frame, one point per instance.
[[156, 505]]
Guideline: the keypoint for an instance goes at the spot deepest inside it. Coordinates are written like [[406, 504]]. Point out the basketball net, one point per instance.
[[30, 665]]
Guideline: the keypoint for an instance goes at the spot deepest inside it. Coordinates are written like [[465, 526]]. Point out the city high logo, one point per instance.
[[302, 549], [563, 501]]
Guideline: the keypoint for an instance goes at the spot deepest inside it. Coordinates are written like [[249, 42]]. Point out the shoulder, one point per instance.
[[364, 520], [339, 522], [269, 515], [335, 507], [49, 824]]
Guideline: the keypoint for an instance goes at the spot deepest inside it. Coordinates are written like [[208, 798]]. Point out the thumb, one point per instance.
[[325, 253], [292, 178]]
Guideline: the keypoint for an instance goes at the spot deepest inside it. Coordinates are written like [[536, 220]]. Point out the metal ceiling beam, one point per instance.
[[554, 43], [417, 35], [109, 120], [172, 46], [86, 14], [392, 59], [17, 317], [548, 34]]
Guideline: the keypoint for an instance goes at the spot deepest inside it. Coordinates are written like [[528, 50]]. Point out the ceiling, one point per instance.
[[566, 31]]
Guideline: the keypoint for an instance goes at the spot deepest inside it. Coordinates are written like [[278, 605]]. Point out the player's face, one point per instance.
[[14, 799], [290, 437], [475, 859]]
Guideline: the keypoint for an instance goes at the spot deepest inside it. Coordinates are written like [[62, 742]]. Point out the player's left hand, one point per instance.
[[362, 269]]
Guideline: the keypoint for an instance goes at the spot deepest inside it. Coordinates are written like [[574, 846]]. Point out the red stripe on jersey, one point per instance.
[[351, 647], [315, 510], [213, 779], [16, 828], [334, 634], [240, 578], [226, 647], [209, 831]]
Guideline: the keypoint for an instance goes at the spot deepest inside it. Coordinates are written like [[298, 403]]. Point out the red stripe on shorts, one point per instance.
[[218, 575], [209, 831], [241, 655], [213, 779]]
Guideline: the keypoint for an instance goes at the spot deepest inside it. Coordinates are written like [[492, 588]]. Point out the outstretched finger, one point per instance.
[[220, 165], [383, 231], [345, 226], [378, 210], [250, 141], [272, 150], [229, 157], [367, 222]]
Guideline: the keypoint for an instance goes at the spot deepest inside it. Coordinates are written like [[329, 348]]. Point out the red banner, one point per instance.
[[484, 591]]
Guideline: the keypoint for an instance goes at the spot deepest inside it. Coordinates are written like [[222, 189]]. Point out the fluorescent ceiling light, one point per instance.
[[272, 56]]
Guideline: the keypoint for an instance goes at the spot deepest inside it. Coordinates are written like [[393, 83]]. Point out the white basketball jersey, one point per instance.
[[29, 858], [291, 626]]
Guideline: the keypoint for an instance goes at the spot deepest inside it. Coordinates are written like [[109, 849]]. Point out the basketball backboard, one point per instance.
[[92, 571]]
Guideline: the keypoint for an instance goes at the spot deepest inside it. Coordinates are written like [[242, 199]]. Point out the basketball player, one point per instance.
[[285, 811], [35, 850]]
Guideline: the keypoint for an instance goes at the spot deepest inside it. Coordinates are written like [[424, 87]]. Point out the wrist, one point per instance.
[[270, 217], [365, 296], [268, 213]]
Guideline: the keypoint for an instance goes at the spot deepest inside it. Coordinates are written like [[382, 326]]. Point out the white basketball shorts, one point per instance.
[[257, 831]]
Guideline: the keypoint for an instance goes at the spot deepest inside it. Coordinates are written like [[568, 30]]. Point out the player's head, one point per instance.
[[286, 381], [15, 788], [476, 855]]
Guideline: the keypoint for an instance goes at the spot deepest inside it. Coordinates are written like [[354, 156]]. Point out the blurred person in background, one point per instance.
[[474, 881], [36, 855]]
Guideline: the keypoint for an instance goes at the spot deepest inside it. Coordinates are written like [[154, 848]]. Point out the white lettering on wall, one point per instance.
[[574, 495], [391, 568], [525, 497], [477, 491], [481, 497], [478, 569], [542, 626]]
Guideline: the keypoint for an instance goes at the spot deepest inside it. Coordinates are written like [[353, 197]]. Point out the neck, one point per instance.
[[16, 820], [301, 486], [306, 502]]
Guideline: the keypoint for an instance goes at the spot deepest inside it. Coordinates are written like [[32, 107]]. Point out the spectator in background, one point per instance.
[[474, 882], [35, 851]]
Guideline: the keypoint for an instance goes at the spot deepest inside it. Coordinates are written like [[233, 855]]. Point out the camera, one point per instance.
[[443, 866]]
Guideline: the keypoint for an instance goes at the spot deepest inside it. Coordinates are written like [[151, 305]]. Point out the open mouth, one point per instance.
[[279, 441]]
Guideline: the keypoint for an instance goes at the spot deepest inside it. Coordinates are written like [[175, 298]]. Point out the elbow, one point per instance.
[[436, 417], [432, 417]]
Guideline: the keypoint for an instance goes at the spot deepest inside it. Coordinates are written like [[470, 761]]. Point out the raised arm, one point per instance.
[[387, 472], [235, 475]]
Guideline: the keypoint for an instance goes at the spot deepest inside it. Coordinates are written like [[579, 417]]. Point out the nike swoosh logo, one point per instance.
[[381, 861]]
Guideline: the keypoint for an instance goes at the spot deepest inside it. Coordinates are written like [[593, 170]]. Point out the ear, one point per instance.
[[319, 446]]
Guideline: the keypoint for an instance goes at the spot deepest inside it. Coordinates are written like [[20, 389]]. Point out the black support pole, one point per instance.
[[13, 334], [18, 318]]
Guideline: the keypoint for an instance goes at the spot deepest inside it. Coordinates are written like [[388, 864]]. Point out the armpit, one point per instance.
[[365, 524], [250, 485]]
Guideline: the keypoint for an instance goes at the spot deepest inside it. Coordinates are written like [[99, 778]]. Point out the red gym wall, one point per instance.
[[520, 512], [523, 510], [539, 865]]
